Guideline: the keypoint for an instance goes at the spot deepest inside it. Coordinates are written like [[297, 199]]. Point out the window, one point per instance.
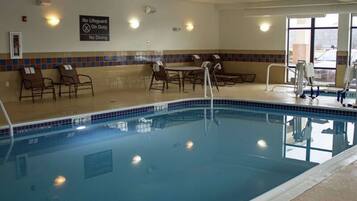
[[314, 40], [353, 45]]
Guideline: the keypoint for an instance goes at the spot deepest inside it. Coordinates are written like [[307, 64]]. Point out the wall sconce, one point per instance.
[[134, 23], [53, 21], [190, 26], [264, 27]]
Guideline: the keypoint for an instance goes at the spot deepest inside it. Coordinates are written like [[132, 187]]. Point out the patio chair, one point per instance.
[[161, 76], [230, 78], [197, 60], [33, 80], [69, 77], [198, 77]]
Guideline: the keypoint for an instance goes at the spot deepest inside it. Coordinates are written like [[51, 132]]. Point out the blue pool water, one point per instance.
[[183, 155]]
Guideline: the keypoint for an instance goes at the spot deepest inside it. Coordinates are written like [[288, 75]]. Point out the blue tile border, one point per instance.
[[294, 109], [23, 130], [122, 114]]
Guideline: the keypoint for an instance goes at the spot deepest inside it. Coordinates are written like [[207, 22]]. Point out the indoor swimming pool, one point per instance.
[[183, 152]]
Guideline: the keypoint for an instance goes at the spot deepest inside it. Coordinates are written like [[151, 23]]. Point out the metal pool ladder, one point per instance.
[[11, 128], [207, 80]]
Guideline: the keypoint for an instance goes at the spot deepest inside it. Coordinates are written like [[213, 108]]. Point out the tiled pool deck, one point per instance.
[[339, 186]]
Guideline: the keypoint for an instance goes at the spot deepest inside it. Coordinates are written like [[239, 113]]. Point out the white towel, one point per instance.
[[309, 70], [29, 70], [156, 67], [68, 67], [218, 66], [160, 63], [195, 56], [216, 56]]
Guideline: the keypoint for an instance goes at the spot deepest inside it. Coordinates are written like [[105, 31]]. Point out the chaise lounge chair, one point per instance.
[[32, 79], [233, 78], [70, 77]]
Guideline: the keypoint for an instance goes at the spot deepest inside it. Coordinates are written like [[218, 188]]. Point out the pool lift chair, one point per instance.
[[350, 75], [305, 77]]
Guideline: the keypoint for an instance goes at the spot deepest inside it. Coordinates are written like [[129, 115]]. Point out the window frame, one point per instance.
[[351, 37], [312, 29]]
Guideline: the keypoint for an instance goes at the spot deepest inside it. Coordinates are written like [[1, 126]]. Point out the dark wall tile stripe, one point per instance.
[[99, 61], [342, 60]]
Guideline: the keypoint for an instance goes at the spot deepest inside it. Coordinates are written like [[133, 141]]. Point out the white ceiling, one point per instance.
[[270, 1], [292, 7], [231, 1]]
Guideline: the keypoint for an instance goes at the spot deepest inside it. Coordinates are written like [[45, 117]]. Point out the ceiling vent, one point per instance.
[[44, 2]]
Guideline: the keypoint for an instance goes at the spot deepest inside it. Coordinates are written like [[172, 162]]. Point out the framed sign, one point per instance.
[[15, 45], [94, 28]]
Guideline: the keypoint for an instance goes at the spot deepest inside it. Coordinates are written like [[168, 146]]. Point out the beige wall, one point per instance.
[[104, 79], [63, 40], [242, 33], [156, 28], [214, 29]]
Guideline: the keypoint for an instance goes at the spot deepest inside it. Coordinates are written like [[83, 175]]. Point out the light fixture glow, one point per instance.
[[264, 27], [136, 160], [189, 145], [190, 26], [53, 21], [134, 23], [59, 181], [81, 127], [262, 144]]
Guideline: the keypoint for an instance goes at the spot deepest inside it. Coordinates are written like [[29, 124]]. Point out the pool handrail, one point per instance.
[[207, 80], [8, 120], [277, 65]]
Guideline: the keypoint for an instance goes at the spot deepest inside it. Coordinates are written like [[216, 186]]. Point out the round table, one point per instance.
[[182, 70]]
